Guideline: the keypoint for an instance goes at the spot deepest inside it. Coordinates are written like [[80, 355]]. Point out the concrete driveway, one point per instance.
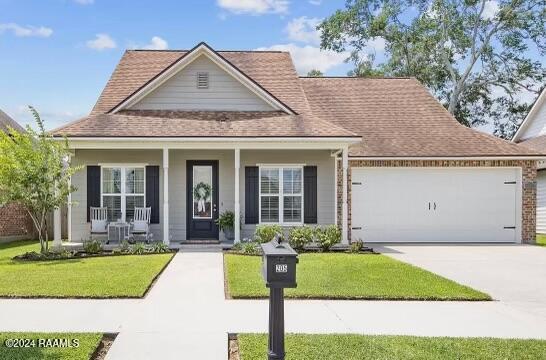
[[514, 274]]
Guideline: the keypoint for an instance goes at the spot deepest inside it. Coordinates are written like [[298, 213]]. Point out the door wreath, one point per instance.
[[202, 192]]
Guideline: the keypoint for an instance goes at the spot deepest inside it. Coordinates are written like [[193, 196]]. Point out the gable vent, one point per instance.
[[202, 80]]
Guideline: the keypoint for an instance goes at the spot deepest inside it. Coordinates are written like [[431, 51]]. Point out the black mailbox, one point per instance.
[[279, 272], [279, 265]]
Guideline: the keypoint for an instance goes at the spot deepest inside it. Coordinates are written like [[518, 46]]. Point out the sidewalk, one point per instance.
[[185, 315]]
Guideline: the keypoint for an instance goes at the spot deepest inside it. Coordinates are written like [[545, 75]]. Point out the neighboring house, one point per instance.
[[15, 223], [532, 134], [379, 157]]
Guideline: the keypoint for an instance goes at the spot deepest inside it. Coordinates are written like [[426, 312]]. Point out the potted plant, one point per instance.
[[226, 223]]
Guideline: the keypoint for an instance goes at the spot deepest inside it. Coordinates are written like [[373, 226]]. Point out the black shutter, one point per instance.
[[93, 188], [310, 194], [251, 195], [152, 192]]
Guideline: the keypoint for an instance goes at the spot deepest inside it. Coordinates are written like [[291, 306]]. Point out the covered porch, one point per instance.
[[260, 180]]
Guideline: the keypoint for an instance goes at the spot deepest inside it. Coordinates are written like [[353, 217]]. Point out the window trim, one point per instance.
[[122, 194], [281, 194]]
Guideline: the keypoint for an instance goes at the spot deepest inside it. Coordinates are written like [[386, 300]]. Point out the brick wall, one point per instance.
[[15, 222], [529, 174]]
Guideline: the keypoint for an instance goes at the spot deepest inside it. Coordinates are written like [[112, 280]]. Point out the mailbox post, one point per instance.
[[279, 271]]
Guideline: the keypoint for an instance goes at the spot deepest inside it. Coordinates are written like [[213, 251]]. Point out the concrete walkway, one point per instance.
[[185, 315]]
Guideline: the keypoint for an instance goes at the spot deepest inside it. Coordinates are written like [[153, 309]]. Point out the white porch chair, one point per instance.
[[141, 223], [99, 221]]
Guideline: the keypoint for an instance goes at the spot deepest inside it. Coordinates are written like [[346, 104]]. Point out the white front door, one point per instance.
[[434, 204]]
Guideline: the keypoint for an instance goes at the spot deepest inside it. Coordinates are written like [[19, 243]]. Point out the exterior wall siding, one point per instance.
[[541, 202], [325, 178], [528, 191], [538, 125], [181, 92], [15, 223], [80, 226], [177, 182]]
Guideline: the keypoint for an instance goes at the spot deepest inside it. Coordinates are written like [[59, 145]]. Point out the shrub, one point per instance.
[[138, 249], [237, 247], [226, 221], [328, 236], [125, 247], [300, 236], [251, 248], [266, 233], [356, 246], [160, 247], [92, 247], [116, 251]]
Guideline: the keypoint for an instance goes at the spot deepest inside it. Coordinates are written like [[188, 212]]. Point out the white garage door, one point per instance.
[[434, 204]]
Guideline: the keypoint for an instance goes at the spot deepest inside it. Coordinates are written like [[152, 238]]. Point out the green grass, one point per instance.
[[99, 277], [361, 347], [541, 239], [348, 276], [87, 345]]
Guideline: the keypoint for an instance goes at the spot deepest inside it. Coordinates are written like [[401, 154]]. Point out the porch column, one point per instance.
[[237, 209], [344, 207], [166, 237]]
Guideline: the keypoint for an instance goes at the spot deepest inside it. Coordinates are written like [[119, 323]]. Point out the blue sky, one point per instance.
[[58, 54]]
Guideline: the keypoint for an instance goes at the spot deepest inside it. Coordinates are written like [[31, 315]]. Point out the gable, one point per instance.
[[223, 93], [535, 123]]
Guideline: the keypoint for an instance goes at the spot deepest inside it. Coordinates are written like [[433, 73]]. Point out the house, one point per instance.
[[15, 223], [532, 134], [379, 157]]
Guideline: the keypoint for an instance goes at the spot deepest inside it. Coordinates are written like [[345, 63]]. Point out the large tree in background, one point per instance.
[[477, 57]]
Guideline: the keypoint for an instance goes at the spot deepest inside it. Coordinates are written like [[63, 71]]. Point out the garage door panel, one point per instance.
[[434, 204]]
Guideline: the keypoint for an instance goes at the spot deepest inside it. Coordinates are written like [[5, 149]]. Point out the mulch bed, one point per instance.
[[103, 347], [233, 347], [34, 256]]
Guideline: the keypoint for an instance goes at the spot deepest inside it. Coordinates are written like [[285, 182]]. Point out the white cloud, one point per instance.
[[84, 2], [304, 29], [490, 10], [377, 44], [52, 118], [26, 31], [254, 7], [101, 42], [157, 43], [307, 58], [315, 2]]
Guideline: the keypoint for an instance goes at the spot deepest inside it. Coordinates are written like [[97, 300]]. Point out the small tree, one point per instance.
[[34, 172], [315, 73]]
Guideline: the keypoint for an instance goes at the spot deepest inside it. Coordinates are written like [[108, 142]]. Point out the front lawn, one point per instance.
[[541, 239], [361, 347], [348, 276], [99, 277], [87, 343]]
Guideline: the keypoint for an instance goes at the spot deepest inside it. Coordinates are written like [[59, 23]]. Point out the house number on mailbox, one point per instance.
[[281, 268]]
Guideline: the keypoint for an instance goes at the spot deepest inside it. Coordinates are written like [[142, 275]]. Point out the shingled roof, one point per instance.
[[395, 117], [6, 122], [157, 123]]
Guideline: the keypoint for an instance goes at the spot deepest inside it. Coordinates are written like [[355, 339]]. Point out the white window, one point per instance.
[[281, 194], [122, 189]]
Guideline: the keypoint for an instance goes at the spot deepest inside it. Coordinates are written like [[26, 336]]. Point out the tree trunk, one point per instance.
[[454, 100]]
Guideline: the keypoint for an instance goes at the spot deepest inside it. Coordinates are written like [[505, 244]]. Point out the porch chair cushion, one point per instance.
[[98, 226], [140, 226]]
